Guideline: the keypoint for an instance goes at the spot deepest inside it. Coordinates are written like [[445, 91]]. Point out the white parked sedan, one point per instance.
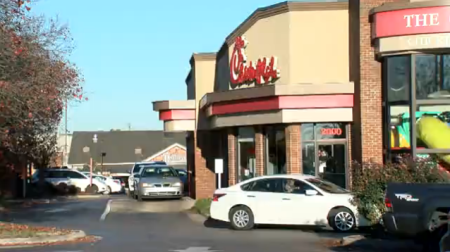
[[113, 186], [286, 200]]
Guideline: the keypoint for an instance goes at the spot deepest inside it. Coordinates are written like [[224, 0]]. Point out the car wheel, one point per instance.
[[342, 219], [92, 189], [241, 218], [62, 188], [108, 191]]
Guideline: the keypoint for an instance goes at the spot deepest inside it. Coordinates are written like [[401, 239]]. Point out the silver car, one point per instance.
[[158, 181]]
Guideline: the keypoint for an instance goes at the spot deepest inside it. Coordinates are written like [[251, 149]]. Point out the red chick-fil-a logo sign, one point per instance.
[[242, 72]]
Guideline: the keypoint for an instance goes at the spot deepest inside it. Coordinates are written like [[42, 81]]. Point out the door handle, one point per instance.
[[251, 196], [286, 199]]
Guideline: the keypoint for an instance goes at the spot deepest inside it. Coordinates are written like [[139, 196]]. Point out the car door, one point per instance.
[[77, 179], [302, 209], [265, 199]]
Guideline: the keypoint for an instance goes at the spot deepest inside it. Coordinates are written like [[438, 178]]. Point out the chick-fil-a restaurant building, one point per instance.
[[311, 87]]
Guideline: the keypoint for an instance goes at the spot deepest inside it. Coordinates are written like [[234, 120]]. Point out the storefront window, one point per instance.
[[276, 151], [429, 76], [246, 153], [324, 151]]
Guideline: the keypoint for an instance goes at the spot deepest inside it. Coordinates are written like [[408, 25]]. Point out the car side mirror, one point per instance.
[[311, 192]]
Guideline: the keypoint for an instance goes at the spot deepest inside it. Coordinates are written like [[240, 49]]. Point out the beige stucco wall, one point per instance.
[[311, 46], [266, 38], [204, 83], [318, 46]]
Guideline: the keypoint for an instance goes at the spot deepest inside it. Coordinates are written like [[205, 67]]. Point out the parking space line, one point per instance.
[[107, 210]]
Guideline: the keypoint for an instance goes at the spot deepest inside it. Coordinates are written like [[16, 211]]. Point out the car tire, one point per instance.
[[342, 220], [241, 218], [108, 191], [62, 188], [92, 189], [432, 243]]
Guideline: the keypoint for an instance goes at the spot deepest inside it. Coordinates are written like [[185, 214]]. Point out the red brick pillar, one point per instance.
[[293, 149], [259, 151], [205, 179], [232, 157], [365, 72]]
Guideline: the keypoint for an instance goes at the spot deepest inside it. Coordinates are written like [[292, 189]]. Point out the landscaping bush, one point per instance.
[[370, 182], [202, 206]]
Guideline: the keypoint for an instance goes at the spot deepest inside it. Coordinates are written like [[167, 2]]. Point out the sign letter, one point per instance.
[[408, 20], [434, 19]]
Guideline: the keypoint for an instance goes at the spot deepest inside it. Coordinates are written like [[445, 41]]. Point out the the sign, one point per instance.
[[175, 158], [414, 42], [172, 156], [412, 21], [243, 72], [331, 131], [218, 166]]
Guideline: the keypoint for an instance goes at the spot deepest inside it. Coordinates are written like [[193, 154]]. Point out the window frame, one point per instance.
[[413, 104]]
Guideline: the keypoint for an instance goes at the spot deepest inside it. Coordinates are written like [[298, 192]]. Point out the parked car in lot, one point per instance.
[[123, 177], [136, 170], [183, 174], [114, 185], [75, 178], [158, 181], [286, 200], [418, 211]]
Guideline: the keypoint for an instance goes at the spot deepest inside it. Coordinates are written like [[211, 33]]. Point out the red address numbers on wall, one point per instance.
[[331, 131]]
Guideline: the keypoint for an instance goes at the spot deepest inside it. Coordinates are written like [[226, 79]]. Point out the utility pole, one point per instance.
[[65, 135]]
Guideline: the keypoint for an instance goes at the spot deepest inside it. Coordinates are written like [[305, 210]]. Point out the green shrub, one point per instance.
[[202, 206], [370, 182]]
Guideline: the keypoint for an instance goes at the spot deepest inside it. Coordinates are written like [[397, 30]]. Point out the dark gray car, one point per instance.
[[159, 182]]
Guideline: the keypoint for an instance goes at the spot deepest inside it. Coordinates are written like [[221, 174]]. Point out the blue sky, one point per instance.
[[134, 52]]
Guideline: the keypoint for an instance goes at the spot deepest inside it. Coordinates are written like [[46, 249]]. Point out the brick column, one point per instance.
[[205, 179], [259, 151], [293, 149], [365, 72], [349, 172], [232, 157]]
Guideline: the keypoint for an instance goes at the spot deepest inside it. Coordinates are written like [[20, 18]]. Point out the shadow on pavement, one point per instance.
[[322, 232], [375, 245]]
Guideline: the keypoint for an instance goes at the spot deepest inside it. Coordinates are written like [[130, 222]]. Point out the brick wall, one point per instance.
[[205, 179], [365, 72], [232, 156], [293, 149], [259, 151]]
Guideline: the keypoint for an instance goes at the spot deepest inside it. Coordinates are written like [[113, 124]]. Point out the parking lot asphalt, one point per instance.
[[159, 225]]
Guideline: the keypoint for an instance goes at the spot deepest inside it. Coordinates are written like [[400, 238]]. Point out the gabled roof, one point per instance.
[[120, 146]]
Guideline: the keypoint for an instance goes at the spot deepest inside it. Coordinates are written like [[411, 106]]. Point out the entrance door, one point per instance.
[[247, 160], [332, 162]]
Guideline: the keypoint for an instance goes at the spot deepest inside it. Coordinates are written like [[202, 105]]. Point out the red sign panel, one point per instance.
[[331, 131], [263, 72], [412, 21]]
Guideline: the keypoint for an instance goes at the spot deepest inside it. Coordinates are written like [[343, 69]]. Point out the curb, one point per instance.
[[39, 240], [186, 198]]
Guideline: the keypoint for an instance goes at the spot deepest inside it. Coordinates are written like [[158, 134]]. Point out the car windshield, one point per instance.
[[159, 172], [327, 186], [138, 167]]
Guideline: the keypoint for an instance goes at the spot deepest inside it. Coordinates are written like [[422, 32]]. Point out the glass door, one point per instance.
[[246, 160], [332, 162]]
